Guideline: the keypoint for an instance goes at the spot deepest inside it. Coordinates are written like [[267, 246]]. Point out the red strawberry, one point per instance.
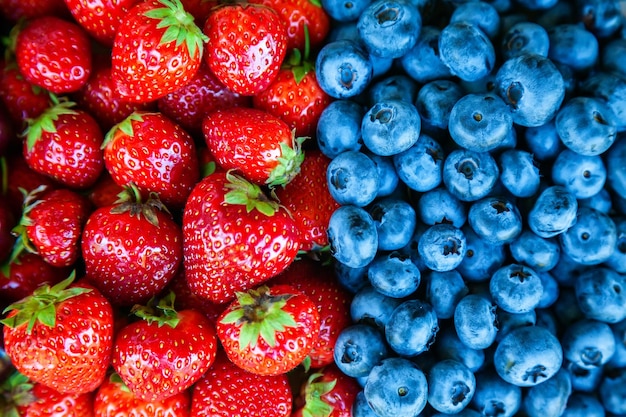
[[235, 237], [22, 99], [25, 399], [226, 390], [67, 328], [100, 19], [105, 192], [64, 144], [269, 330], [308, 200], [327, 393], [51, 225], [131, 250], [187, 300], [246, 46], [255, 143], [15, 10], [113, 398], [54, 54], [192, 102], [155, 154], [165, 352], [157, 49], [199, 9], [319, 283]]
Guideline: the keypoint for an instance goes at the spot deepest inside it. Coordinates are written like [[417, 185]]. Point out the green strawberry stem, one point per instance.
[[130, 200], [315, 406], [22, 242], [126, 126], [259, 315], [15, 391], [288, 163], [45, 122], [300, 64], [115, 378], [243, 192], [40, 306], [160, 311]]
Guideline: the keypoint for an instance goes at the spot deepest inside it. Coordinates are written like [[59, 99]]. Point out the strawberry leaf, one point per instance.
[[242, 192], [288, 163], [160, 313], [315, 406], [46, 121], [125, 126]]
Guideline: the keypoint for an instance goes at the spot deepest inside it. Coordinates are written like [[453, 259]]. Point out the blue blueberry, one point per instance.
[[537, 4], [396, 387], [525, 38], [495, 220], [516, 288], [345, 10], [601, 294], [391, 127], [479, 13], [423, 62], [394, 275], [352, 178], [566, 308], [549, 398], [584, 176], [550, 290], [412, 328], [581, 404], [592, 239], [420, 166], [617, 260], [519, 173], [612, 391], [573, 45], [481, 259], [468, 175], [343, 69], [339, 128], [475, 321], [435, 101], [546, 318], [588, 343], [610, 88], [466, 50], [444, 290], [583, 379], [553, 212], [603, 18], [395, 222], [358, 348], [360, 407], [494, 396], [540, 254], [528, 356], [442, 247], [601, 201], [440, 206], [449, 346], [616, 169], [393, 87], [510, 321], [411, 250], [451, 386], [352, 236], [543, 141], [618, 360], [613, 56], [371, 307], [352, 279]]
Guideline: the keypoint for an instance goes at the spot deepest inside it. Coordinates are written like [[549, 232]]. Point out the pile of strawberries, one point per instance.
[[161, 199]]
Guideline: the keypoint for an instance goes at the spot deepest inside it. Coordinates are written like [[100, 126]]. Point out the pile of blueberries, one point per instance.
[[478, 151]]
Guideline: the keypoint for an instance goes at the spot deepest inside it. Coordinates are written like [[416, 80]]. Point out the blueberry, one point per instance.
[[449, 346], [475, 321], [583, 379], [516, 288], [601, 294], [352, 279], [543, 141], [537, 4], [412, 328], [435, 101], [388, 181], [395, 222], [540, 254], [372, 307], [440, 206], [394, 275], [613, 58], [389, 28], [510, 321], [479, 13], [442, 247], [550, 290], [611, 89], [396, 387], [581, 404], [451, 386], [411, 250], [566, 308], [549, 398], [352, 178], [360, 407], [339, 128], [528, 356], [519, 173], [495, 220], [617, 260], [592, 239], [616, 169], [573, 45], [532, 86], [343, 69], [444, 290], [588, 343], [481, 259], [423, 62], [359, 347], [601, 201], [553, 212], [525, 38], [420, 166], [468, 175], [391, 127], [352, 236], [586, 125], [345, 10], [494, 396], [466, 50], [618, 360], [584, 176], [393, 87], [612, 391]]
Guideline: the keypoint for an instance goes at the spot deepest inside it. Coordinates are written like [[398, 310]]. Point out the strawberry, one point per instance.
[[157, 49], [105, 192], [295, 95], [187, 300], [257, 144], [54, 54], [246, 46], [16, 10], [165, 352], [318, 282], [100, 19], [235, 237], [51, 225], [155, 154], [192, 102], [226, 390], [26, 399], [269, 330], [308, 200], [22, 99], [113, 398], [327, 393], [61, 336], [131, 250], [199, 9], [64, 144]]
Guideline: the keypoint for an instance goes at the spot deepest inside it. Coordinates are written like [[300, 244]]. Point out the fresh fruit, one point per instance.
[[22, 99], [69, 328], [235, 237], [269, 330], [328, 392]]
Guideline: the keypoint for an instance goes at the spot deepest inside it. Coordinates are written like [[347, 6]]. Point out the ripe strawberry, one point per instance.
[[199, 9], [165, 352], [255, 143], [327, 393], [105, 192], [61, 336], [15, 10], [131, 250], [246, 46], [234, 237], [100, 19], [295, 95], [51, 225], [269, 330], [153, 153], [22, 99], [226, 390], [192, 102], [187, 300], [157, 49], [64, 144], [26, 399], [318, 282], [113, 398], [308, 200], [54, 54]]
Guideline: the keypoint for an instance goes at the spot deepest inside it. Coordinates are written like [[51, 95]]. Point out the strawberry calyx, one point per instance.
[[16, 391], [298, 62], [45, 122], [180, 26], [243, 192], [160, 312], [314, 405], [288, 163], [125, 126], [41, 305], [116, 379], [259, 315], [130, 200], [22, 242]]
